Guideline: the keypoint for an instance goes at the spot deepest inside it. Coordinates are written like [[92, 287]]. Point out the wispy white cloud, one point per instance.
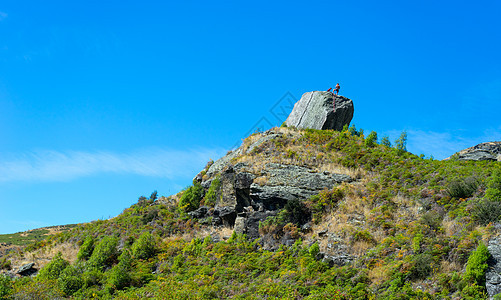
[[3, 15], [62, 166]]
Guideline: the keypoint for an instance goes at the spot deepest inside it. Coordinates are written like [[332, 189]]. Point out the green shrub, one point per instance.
[[314, 249], [354, 132], [86, 249], [486, 211], [213, 192], [92, 277], [462, 188], [364, 235], [477, 265], [371, 139], [117, 278], [144, 247], [432, 219], [297, 212], [105, 253], [190, 200], [422, 266], [70, 280], [5, 286], [493, 191], [52, 270], [151, 214], [5, 264]]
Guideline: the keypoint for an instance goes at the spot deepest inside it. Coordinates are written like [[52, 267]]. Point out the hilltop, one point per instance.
[[291, 214]]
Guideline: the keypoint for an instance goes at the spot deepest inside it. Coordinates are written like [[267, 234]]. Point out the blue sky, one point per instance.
[[104, 101]]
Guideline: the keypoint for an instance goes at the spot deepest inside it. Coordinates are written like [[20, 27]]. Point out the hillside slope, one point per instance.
[[397, 227]]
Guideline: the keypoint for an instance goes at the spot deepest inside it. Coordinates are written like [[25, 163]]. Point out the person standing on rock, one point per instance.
[[336, 89]]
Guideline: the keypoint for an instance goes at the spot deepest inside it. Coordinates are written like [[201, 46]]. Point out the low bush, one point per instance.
[[213, 192], [493, 191], [86, 249], [190, 200], [462, 188], [5, 264], [70, 280], [144, 247], [477, 265], [52, 270], [486, 211], [5, 286], [422, 266], [105, 253], [297, 212]]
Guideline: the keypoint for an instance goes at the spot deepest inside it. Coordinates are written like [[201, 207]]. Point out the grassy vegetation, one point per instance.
[[417, 229], [35, 235]]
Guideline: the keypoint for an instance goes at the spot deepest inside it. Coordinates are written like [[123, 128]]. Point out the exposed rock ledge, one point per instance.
[[485, 151]]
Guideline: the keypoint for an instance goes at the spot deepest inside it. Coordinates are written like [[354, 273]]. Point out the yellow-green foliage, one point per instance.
[[190, 200], [5, 286], [477, 265], [105, 253], [52, 270], [418, 236], [213, 192], [493, 191], [70, 280], [144, 247], [86, 249]]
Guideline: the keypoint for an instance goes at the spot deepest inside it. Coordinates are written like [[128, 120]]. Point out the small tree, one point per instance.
[[371, 139], [385, 141], [401, 143], [154, 196]]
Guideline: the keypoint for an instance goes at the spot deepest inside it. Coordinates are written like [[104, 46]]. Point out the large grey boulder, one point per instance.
[[316, 110], [485, 151]]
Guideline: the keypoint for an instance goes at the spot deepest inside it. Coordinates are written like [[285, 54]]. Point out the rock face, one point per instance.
[[243, 201], [484, 151], [493, 274], [316, 110], [290, 182]]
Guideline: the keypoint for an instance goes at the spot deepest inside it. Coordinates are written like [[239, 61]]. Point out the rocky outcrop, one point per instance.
[[27, 270], [485, 151], [249, 194], [493, 274], [317, 110], [290, 182]]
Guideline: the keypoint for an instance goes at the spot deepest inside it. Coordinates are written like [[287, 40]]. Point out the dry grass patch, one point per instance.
[[379, 274], [360, 248], [43, 256], [450, 266]]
